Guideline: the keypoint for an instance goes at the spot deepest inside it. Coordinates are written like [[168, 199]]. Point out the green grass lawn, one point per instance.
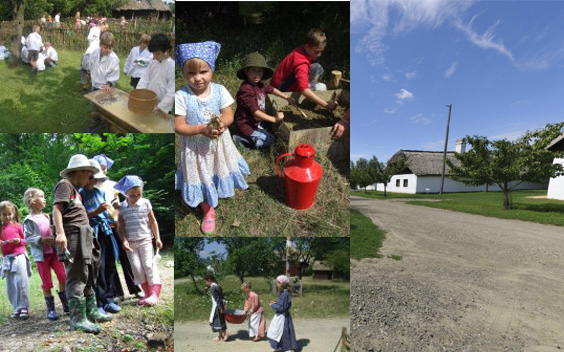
[[321, 299], [50, 101], [541, 210], [366, 238]]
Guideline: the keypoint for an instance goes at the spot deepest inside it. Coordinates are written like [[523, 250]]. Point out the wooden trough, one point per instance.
[[120, 119], [291, 134]]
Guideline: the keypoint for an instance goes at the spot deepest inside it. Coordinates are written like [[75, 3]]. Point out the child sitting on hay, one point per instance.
[[251, 103], [292, 74]]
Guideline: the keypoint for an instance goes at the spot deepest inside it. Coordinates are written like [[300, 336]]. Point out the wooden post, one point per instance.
[[445, 152], [336, 78]]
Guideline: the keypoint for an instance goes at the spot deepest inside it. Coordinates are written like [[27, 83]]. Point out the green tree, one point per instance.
[[508, 163], [389, 169], [360, 174], [250, 256], [187, 259]]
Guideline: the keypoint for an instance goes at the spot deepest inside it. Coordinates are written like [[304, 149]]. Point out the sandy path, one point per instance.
[[465, 283], [317, 335]]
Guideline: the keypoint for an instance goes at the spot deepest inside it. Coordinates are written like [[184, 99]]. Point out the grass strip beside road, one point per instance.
[[540, 210], [366, 238]]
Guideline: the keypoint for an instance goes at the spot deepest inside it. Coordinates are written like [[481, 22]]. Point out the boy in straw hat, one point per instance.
[[251, 103], [78, 249]]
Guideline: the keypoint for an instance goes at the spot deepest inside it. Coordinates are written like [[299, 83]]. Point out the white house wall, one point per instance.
[[556, 184], [432, 184]]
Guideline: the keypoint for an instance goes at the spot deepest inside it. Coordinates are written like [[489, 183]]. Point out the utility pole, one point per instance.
[[445, 152]]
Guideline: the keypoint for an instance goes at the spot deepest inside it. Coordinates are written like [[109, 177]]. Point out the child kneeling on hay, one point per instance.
[[78, 249]]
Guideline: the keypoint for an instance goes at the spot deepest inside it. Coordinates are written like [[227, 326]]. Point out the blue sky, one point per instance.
[[499, 63]]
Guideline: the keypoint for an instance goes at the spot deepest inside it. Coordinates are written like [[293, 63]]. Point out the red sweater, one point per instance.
[[9, 232], [292, 73], [249, 100]]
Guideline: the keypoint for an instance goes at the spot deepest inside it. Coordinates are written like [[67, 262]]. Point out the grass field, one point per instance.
[[366, 238], [541, 210], [321, 299], [50, 101]]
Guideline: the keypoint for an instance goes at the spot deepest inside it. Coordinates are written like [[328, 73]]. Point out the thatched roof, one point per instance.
[[154, 5], [422, 163], [320, 266], [557, 144]]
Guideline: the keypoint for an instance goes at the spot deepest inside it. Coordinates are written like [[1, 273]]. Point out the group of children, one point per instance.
[[281, 333], [210, 165], [149, 65], [36, 53], [81, 243]]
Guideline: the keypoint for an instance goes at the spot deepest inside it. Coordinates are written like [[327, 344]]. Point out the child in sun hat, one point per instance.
[[38, 233], [96, 207], [77, 247], [210, 165], [107, 185], [137, 226], [251, 103], [281, 333]]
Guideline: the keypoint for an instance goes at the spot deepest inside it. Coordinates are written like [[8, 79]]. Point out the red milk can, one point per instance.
[[301, 177]]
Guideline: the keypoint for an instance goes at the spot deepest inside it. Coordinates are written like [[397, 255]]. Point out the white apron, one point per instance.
[[276, 328], [214, 307], [254, 323]]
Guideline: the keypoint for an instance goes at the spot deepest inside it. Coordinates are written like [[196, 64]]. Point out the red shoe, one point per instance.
[[155, 293], [147, 291], [208, 222]]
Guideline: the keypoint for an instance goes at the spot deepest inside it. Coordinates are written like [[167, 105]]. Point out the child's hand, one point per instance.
[[159, 244], [279, 116], [126, 246], [272, 302], [221, 129], [339, 129], [16, 241], [209, 132], [48, 241], [106, 88], [331, 105], [291, 101], [102, 208]]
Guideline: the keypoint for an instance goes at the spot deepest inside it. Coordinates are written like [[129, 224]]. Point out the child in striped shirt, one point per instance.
[[136, 226]]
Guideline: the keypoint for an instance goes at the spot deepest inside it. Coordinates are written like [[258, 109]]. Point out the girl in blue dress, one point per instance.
[[281, 333], [210, 165]]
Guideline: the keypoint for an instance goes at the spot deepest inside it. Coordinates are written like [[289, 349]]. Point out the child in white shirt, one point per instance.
[[34, 44], [138, 60], [51, 56], [159, 76]]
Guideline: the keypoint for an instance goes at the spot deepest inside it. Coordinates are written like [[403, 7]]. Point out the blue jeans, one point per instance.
[[261, 138]]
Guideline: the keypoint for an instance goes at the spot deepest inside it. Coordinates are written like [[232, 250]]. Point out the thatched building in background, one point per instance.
[[423, 174], [322, 271], [154, 9]]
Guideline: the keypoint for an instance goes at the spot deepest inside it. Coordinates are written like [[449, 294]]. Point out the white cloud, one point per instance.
[[486, 40], [390, 110], [387, 77], [451, 69], [411, 75], [370, 123], [403, 95], [419, 118], [521, 102]]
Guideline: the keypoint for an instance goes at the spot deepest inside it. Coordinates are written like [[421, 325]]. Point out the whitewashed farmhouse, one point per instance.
[[423, 174], [556, 184]]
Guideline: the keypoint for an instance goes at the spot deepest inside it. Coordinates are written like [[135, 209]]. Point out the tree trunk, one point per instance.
[[195, 285], [506, 204], [384, 190], [19, 10]]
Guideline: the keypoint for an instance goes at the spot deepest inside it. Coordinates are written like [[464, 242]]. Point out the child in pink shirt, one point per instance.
[[16, 267]]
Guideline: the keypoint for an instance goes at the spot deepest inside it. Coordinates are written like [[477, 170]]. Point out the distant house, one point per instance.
[[143, 8], [322, 271], [556, 184], [423, 174]]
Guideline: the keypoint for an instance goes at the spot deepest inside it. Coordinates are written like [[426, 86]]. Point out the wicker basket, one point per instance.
[[142, 100]]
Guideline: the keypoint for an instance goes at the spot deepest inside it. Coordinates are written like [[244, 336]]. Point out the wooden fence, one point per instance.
[[65, 37]]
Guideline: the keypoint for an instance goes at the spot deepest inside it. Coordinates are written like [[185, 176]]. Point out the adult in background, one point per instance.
[[77, 22]]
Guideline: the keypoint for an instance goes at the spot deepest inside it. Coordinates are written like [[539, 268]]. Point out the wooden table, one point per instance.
[[119, 118]]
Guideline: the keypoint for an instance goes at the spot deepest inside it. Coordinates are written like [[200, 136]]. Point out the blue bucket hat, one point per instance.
[[104, 160], [207, 51], [128, 182]]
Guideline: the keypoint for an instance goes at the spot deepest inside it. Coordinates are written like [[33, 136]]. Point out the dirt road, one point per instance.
[[465, 283], [313, 336]]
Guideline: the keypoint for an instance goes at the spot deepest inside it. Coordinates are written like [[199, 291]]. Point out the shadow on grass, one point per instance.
[[271, 186], [542, 208]]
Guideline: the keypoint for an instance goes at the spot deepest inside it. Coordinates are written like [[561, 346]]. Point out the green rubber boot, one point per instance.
[[92, 312], [78, 321]]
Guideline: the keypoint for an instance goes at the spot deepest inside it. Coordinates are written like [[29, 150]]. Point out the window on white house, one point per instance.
[[397, 182], [405, 182]]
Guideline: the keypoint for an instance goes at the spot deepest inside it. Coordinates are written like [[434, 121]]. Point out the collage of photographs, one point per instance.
[[180, 175]]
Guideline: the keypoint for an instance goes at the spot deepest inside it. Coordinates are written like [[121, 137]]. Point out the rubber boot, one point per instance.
[[64, 301], [154, 298], [92, 312], [146, 291], [208, 222], [78, 319], [51, 314]]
